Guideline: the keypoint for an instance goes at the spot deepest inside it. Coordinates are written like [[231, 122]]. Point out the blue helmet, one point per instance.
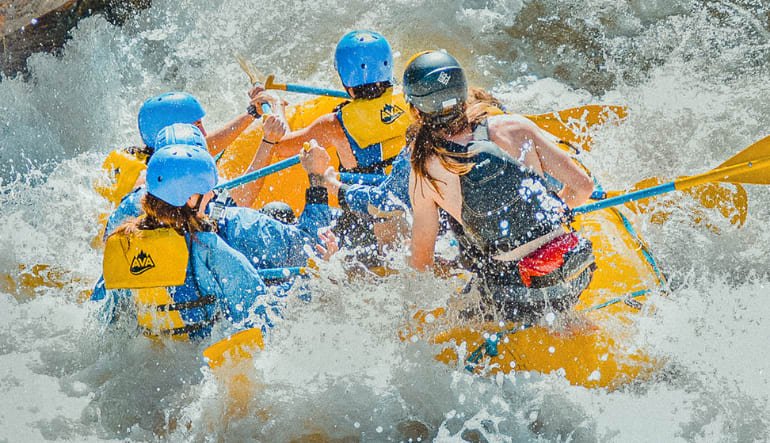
[[363, 57], [165, 109], [180, 134], [177, 172]]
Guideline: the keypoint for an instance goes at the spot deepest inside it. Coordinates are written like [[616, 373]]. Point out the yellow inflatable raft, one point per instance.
[[595, 348]]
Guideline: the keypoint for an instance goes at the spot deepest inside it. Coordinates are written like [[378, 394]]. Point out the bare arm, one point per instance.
[[221, 138], [424, 228], [558, 164], [274, 128], [326, 130], [513, 132]]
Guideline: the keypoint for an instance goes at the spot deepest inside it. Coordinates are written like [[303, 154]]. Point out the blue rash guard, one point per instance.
[[391, 195], [269, 243], [214, 270]]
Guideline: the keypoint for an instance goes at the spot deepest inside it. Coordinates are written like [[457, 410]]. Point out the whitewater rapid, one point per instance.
[[693, 74]]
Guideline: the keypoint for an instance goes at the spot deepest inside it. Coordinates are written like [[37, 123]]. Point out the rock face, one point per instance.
[[29, 26]]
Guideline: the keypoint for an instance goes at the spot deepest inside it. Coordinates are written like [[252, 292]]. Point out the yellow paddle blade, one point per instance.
[[730, 199], [235, 348], [255, 76], [752, 172]]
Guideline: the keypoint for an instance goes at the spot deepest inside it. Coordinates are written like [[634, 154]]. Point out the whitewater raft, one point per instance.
[[595, 349]]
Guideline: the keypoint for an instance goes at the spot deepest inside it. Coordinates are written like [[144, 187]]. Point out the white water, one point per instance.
[[694, 76]]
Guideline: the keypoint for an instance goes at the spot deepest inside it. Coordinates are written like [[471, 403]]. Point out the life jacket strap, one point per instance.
[[187, 329], [203, 301], [373, 168]]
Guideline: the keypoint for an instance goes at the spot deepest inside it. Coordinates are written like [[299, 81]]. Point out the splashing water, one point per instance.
[[693, 75]]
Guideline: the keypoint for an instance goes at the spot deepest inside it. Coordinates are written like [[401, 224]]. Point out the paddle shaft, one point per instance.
[[270, 84], [720, 174], [316, 91], [255, 175]]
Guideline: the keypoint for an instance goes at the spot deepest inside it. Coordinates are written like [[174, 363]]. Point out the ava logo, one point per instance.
[[390, 113], [444, 78], [141, 263]]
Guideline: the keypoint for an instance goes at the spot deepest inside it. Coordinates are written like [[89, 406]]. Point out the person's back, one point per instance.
[[368, 131], [487, 173], [179, 276]]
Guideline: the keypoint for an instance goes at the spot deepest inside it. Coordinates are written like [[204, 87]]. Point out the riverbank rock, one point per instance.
[[30, 26]]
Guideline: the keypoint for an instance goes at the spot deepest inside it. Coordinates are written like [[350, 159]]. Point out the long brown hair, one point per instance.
[[160, 214], [429, 133]]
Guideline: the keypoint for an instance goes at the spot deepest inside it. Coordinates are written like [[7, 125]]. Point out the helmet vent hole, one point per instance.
[[160, 179], [385, 63], [363, 65], [189, 155]]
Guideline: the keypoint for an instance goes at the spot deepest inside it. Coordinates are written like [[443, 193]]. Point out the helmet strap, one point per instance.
[[197, 206]]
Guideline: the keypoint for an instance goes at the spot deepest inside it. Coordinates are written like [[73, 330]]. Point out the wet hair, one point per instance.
[[143, 152], [429, 133], [370, 90], [479, 95], [160, 214]]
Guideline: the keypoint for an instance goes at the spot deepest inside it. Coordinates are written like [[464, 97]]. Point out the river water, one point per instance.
[[694, 75]]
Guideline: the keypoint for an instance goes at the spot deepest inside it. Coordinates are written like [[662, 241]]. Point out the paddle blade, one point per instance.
[[754, 172], [235, 348], [255, 76], [754, 152], [730, 199], [755, 175]]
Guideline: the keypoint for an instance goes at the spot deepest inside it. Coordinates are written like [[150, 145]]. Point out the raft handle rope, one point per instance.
[[490, 342]]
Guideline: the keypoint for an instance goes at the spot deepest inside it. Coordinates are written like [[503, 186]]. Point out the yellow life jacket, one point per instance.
[[376, 127], [149, 263], [123, 167]]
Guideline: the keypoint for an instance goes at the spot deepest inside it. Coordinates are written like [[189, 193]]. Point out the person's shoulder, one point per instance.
[[509, 123], [501, 120], [324, 121], [209, 240]]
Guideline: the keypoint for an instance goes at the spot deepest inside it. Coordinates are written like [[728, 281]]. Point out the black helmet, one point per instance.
[[434, 82]]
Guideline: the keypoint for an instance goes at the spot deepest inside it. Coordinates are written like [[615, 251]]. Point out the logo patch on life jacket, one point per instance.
[[142, 262], [389, 113]]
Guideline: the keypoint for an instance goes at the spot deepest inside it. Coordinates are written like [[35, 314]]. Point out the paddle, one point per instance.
[[748, 166], [237, 347], [730, 199], [259, 173], [270, 84], [255, 77]]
